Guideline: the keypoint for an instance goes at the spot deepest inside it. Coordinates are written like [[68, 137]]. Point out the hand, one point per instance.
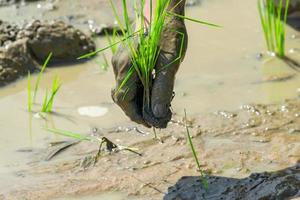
[[129, 97]]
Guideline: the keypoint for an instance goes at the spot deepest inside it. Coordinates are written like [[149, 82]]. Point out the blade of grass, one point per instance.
[[55, 87], [273, 22], [70, 134], [29, 97], [40, 76], [105, 64], [189, 138], [194, 20], [45, 102]]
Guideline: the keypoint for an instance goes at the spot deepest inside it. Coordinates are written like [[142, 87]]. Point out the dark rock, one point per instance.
[[22, 49], [64, 41], [10, 2], [280, 185]]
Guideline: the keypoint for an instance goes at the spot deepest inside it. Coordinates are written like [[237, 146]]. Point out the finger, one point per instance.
[[162, 89], [129, 99]]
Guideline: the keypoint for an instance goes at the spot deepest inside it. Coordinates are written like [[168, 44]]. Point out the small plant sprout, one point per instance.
[[37, 83], [148, 36], [110, 146], [105, 64], [29, 99], [273, 21], [189, 138], [48, 102], [112, 40]]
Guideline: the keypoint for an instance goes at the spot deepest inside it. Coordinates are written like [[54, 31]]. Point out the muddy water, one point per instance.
[[221, 72]]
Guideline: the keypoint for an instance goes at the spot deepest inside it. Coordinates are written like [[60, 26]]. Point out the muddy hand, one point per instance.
[[127, 96], [172, 51]]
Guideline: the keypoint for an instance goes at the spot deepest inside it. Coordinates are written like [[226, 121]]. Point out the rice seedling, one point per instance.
[[48, 102], [105, 64], [148, 37], [112, 40], [37, 83], [29, 97], [189, 138], [110, 146], [273, 21]]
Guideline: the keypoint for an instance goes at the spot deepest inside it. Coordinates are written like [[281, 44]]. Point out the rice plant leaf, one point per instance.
[[29, 97], [105, 48], [70, 134], [194, 20], [55, 87], [189, 138], [40, 75], [44, 106]]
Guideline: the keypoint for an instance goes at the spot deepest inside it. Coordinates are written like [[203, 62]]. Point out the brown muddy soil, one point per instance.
[[228, 143], [24, 48]]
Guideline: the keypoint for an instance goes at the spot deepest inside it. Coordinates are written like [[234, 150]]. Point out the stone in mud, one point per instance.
[[15, 61], [64, 41], [22, 48], [280, 185], [9, 2]]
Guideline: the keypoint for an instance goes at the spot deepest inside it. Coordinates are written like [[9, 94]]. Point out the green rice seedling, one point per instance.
[[48, 102], [29, 97], [37, 83], [112, 40], [110, 146], [70, 134], [148, 36], [273, 21], [189, 138], [105, 64]]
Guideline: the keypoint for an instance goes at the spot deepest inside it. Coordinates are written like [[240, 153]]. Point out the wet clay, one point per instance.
[[235, 144]]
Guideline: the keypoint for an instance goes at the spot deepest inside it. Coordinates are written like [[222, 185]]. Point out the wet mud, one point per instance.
[[24, 48], [263, 134]]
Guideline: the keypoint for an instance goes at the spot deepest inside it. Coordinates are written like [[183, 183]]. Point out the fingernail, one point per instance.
[[160, 110]]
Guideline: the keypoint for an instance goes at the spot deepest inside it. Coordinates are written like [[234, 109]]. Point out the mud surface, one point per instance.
[[24, 48], [263, 134]]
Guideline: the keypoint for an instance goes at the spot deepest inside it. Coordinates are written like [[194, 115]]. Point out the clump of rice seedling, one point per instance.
[[48, 102], [189, 138], [148, 36], [273, 27]]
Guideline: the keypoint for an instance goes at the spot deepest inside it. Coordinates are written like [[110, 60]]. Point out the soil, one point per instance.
[[263, 134]]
